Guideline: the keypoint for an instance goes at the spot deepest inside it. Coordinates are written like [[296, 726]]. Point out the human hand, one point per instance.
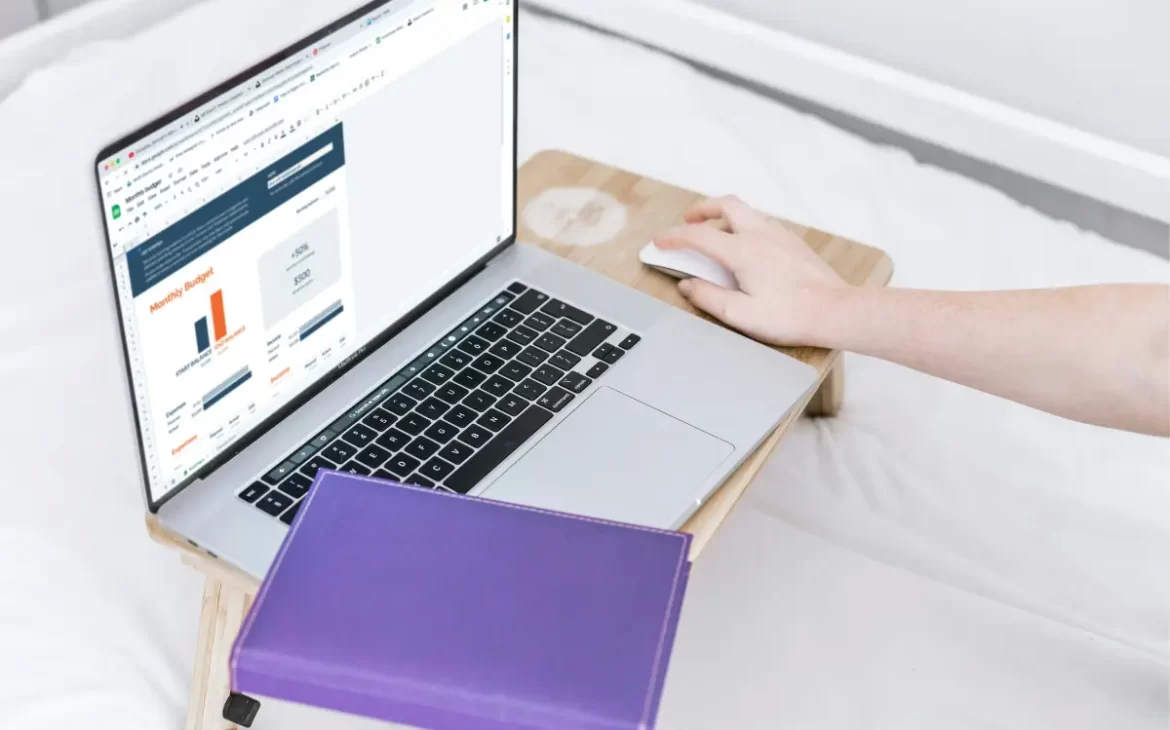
[[782, 281]]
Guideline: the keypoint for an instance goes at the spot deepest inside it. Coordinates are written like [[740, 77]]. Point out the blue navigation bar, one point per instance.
[[235, 209]]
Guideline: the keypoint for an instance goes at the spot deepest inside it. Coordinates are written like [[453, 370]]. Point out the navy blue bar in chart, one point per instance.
[[202, 340], [321, 319], [226, 387]]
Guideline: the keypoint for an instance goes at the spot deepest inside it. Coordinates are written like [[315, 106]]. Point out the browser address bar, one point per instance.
[[300, 166]]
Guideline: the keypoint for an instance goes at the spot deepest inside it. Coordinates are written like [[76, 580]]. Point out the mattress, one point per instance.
[[933, 557]]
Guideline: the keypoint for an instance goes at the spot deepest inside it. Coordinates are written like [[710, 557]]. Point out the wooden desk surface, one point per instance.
[[653, 207], [590, 189]]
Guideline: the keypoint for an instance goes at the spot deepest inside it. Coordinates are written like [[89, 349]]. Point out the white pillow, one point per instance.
[[85, 632]]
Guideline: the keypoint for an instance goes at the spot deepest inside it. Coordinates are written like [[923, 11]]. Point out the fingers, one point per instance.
[[738, 214], [715, 300], [711, 242]]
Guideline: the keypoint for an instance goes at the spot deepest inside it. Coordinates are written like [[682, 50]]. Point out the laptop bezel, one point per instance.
[[374, 343]]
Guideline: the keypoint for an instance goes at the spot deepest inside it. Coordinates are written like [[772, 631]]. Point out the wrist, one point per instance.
[[835, 316]]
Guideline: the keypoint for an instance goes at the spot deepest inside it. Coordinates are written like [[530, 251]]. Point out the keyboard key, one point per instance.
[[438, 374], [509, 318], [433, 408], [614, 354], [498, 386], [488, 363], [393, 440], [529, 301], [464, 479], [418, 389], [380, 420], [515, 371], [401, 465], [311, 466], [373, 456], [556, 399], [493, 420], [274, 503], [456, 453], [461, 416], [603, 351], [383, 474], [339, 452], [413, 424], [451, 393], [417, 480], [565, 360], [575, 382], [530, 389], [539, 322], [422, 448], [548, 375], [516, 287], [436, 469], [473, 346], [296, 485], [254, 492], [277, 475], [360, 435], [512, 404], [354, 467], [522, 335], [629, 342], [491, 331], [291, 513], [597, 370], [590, 338], [550, 342], [557, 308], [400, 404], [456, 359], [532, 356], [441, 432], [479, 401], [506, 349], [566, 328], [476, 436], [470, 378]]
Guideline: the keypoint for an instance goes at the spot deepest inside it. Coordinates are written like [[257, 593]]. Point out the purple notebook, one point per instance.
[[444, 612]]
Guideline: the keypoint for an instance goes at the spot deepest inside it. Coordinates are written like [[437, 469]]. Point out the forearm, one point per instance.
[[1096, 354]]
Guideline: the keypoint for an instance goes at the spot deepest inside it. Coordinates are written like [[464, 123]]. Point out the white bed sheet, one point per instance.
[[933, 557]]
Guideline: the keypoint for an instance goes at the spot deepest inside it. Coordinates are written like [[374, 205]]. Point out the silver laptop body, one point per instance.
[[315, 267]]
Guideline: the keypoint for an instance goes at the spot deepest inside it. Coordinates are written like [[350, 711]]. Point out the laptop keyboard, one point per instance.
[[449, 418]]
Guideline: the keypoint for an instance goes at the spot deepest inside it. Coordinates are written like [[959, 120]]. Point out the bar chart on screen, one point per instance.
[[219, 326]]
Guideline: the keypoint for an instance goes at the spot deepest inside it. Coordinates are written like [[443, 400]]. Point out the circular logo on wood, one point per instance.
[[576, 216]]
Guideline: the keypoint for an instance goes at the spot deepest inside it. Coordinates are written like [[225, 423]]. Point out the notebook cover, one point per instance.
[[446, 612]]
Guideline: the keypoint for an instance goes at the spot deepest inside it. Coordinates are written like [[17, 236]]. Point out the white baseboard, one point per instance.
[[1055, 153]]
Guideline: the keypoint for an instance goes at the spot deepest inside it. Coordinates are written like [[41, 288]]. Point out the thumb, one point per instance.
[[712, 299]]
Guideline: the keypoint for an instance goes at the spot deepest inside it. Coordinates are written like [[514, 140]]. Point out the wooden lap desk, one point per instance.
[[652, 207]]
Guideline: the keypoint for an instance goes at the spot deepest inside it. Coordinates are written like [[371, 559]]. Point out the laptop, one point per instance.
[[315, 266]]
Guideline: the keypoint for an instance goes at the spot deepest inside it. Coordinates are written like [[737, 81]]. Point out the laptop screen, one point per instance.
[[273, 231]]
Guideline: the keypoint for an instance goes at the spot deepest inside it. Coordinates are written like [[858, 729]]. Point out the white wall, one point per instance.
[[16, 15], [1102, 66]]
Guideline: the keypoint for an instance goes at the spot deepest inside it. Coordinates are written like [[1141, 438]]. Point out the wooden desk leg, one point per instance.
[[224, 608], [827, 401]]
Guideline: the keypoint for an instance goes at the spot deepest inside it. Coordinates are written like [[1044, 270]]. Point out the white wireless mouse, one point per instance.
[[685, 263]]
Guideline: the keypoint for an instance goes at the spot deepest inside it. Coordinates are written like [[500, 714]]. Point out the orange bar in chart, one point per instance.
[[218, 321]]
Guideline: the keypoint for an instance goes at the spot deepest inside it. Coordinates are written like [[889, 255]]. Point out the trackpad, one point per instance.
[[617, 459]]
